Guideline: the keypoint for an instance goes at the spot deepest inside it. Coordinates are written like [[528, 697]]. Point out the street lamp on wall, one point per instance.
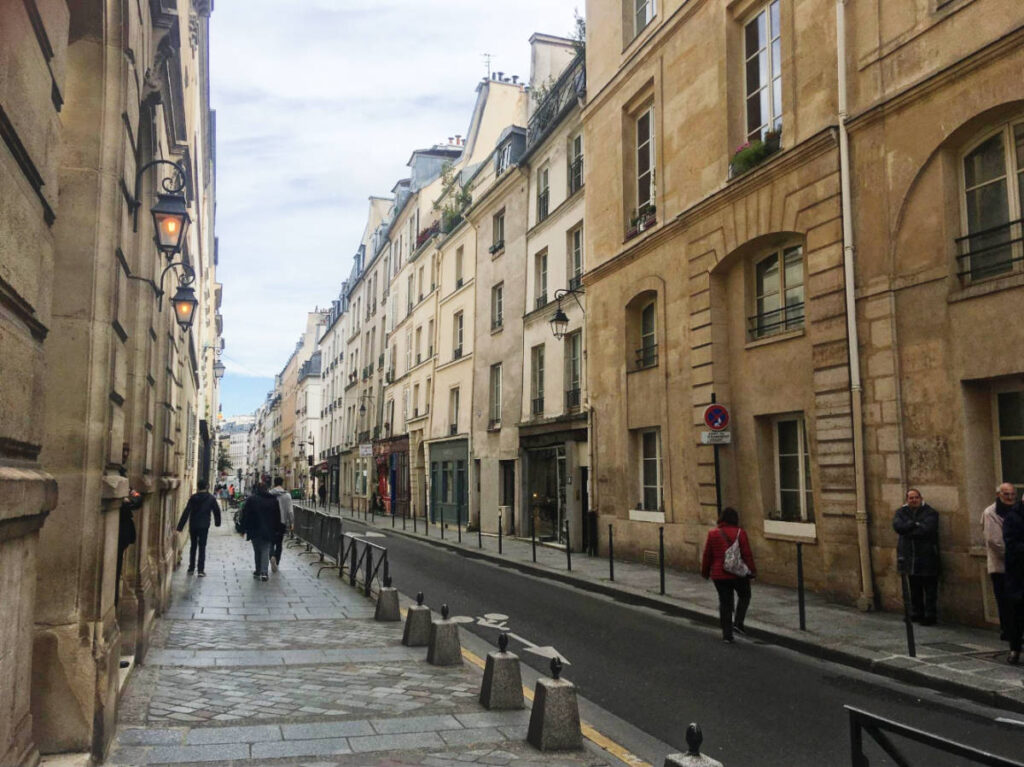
[[560, 320]]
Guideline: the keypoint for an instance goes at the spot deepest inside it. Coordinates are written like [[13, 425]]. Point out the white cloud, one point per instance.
[[319, 105]]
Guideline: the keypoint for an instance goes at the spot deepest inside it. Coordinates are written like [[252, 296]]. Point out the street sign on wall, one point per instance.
[[366, 450], [716, 437]]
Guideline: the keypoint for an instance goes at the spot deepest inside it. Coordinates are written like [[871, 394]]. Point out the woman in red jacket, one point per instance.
[[727, 584]]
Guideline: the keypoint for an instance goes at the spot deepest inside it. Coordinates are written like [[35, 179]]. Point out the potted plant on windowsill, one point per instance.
[[753, 153], [646, 217]]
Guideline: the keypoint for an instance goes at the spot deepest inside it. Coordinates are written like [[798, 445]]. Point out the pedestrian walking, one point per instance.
[[1013, 585], [730, 573], [200, 507], [917, 555], [992, 531], [322, 493], [260, 517], [286, 520]]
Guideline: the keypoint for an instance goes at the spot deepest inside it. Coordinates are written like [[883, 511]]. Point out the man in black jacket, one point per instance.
[[261, 517], [197, 513], [917, 555]]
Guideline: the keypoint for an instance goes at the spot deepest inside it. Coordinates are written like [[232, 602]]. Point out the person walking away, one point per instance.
[[126, 534], [286, 520], [1013, 585], [729, 585], [197, 513], [260, 517], [992, 532], [917, 555], [322, 493]]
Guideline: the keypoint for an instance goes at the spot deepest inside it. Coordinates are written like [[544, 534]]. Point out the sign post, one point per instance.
[[716, 418]]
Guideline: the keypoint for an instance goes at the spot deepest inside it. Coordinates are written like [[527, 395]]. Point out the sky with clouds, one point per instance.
[[319, 104]]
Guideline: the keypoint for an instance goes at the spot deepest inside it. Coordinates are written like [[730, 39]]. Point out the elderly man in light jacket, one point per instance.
[[284, 501], [992, 531]]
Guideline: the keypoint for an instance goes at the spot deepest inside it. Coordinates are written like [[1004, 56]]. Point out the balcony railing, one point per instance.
[[542, 205], [564, 94], [456, 352], [496, 322], [494, 424], [576, 282], [575, 175], [990, 252], [647, 356], [458, 283], [776, 321], [453, 429], [572, 399], [541, 301], [537, 405], [498, 246], [380, 361]]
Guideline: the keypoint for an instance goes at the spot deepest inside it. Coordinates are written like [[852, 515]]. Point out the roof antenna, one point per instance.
[[487, 58]]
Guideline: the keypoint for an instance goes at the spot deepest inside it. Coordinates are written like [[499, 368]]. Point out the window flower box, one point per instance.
[[753, 153], [641, 220]]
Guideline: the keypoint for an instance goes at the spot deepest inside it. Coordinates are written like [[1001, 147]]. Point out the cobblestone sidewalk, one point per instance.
[[295, 671], [961, 660]]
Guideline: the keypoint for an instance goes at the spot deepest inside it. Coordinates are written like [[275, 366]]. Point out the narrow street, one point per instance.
[[659, 673]]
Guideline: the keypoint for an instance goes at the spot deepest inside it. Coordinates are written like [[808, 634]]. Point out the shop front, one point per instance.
[[555, 477], [449, 479], [391, 459]]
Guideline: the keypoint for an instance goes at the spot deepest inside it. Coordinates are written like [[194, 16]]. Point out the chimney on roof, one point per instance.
[[501, 77], [458, 139], [515, 79]]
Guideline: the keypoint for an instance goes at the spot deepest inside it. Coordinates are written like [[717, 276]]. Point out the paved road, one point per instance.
[[758, 704]]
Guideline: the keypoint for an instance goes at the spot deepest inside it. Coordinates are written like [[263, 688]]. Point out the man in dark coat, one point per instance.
[[1013, 584], [200, 507], [261, 516], [917, 555]]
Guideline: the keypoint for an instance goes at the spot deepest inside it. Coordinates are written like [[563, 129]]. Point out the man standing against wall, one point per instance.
[[992, 530], [917, 555]]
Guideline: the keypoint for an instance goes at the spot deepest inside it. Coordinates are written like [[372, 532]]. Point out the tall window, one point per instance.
[[645, 160], [993, 181], [408, 350], [419, 344], [495, 398], [504, 158], [542, 194], [650, 469], [415, 400], [573, 369], [763, 72], [453, 411], [458, 267], [457, 336], [540, 279], [647, 354], [643, 13], [778, 292], [793, 494], [430, 337], [576, 163], [576, 258], [409, 293], [497, 305], [1010, 407], [498, 231], [537, 380]]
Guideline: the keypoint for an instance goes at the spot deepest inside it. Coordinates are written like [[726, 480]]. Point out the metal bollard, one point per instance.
[[661, 557], [369, 570], [611, 554], [458, 520], [393, 520], [911, 646], [533, 534], [568, 548], [479, 531], [499, 532], [442, 524], [800, 585], [404, 516]]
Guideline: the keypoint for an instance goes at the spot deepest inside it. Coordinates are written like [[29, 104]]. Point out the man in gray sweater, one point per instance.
[[284, 500]]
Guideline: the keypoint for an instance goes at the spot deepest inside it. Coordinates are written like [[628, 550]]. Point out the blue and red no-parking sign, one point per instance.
[[716, 417]]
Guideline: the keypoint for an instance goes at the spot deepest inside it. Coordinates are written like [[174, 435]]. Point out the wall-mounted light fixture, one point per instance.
[[560, 320]]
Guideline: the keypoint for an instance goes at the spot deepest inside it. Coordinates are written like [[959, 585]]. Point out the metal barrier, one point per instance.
[[349, 553], [862, 722]]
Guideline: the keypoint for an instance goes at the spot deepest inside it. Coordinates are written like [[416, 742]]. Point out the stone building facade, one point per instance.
[[767, 232], [102, 390]]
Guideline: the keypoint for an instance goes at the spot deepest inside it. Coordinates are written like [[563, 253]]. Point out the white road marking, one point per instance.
[[548, 652], [1006, 720]]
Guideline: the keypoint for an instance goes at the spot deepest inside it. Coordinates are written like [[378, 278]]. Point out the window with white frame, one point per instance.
[[573, 369], [762, 51], [495, 395], [576, 163], [543, 196], [504, 158], [498, 231], [993, 204], [645, 160], [576, 258], [794, 498], [497, 305], [453, 410], [458, 267], [647, 354], [650, 469], [778, 292], [537, 380], [457, 335], [540, 279], [408, 350], [643, 14]]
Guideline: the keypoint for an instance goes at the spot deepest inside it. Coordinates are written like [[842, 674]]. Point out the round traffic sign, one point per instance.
[[716, 417]]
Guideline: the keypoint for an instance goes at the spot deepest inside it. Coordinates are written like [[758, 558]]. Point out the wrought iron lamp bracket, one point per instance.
[[172, 184]]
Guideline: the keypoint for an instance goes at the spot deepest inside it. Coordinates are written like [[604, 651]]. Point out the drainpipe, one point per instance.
[[867, 591]]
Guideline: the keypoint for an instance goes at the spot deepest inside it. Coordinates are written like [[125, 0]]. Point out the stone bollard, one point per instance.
[[417, 624], [444, 648], [693, 757], [555, 719], [502, 687], [387, 603]]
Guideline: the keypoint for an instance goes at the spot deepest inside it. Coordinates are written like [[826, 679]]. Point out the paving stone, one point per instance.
[[396, 742], [474, 735], [317, 747], [416, 724], [335, 729], [131, 736], [252, 734], [209, 753]]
